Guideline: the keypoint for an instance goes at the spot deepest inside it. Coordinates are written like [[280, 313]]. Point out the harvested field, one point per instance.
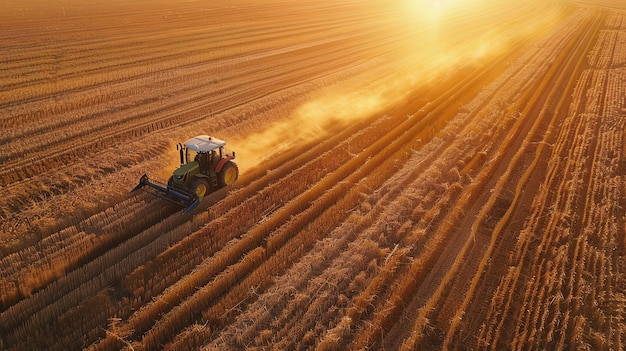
[[415, 174]]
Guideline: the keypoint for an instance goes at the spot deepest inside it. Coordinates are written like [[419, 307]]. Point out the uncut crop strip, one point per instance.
[[542, 209], [587, 126], [386, 308], [503, 222], [583, 302], [556, 173], [382, 321], [499, 233]]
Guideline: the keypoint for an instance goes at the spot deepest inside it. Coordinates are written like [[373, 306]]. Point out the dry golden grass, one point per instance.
[[413, 176]]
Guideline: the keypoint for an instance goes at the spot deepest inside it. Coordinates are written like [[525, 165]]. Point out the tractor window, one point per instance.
[[189, 156], [198, 156]]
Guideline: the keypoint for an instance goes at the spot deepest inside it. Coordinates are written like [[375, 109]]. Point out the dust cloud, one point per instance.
[[311, 121], [441, 36]]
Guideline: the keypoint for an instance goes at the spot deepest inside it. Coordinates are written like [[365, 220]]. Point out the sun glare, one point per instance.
[[440, 36], [434, 9]]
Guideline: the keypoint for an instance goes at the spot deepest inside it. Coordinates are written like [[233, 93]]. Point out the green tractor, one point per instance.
[[205, 166]]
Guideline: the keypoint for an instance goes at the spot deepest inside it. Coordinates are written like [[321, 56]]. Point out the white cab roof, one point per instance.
[[204, 143]]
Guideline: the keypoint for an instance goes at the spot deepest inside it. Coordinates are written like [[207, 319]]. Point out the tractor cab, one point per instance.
[[202, 149], [205, 165], [198, 155], [202, 157]]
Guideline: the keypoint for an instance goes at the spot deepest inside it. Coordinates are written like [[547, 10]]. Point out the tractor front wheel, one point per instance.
[[229, 174], [200, 187]]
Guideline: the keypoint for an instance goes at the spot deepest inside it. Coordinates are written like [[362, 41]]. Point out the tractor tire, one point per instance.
[[200, 187], [229, 174]]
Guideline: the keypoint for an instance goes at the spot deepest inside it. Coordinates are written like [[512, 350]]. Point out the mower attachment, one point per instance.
[[163, 191]]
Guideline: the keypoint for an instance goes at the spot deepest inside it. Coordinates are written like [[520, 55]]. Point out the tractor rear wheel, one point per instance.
[[229, 174], [200, 187]]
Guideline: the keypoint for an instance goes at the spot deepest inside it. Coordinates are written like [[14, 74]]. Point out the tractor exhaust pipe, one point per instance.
[[181, 148]]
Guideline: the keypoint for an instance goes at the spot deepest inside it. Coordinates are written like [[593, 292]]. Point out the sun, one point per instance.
[[437, 9], [433, 8]]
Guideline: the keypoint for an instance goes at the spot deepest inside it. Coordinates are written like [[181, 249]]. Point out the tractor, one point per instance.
[[205, 166]]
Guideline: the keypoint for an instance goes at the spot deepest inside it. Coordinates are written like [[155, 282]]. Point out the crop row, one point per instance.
[[346, 324], [191, 100], [107, 59], [265, 199], [118, 225], [115, 260], [565, 215], [382, 233], [180, 315], [371, 293]]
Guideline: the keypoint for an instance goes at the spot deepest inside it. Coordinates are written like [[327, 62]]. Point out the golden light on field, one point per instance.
[[439, 175], [439, 37], [434, 9]]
